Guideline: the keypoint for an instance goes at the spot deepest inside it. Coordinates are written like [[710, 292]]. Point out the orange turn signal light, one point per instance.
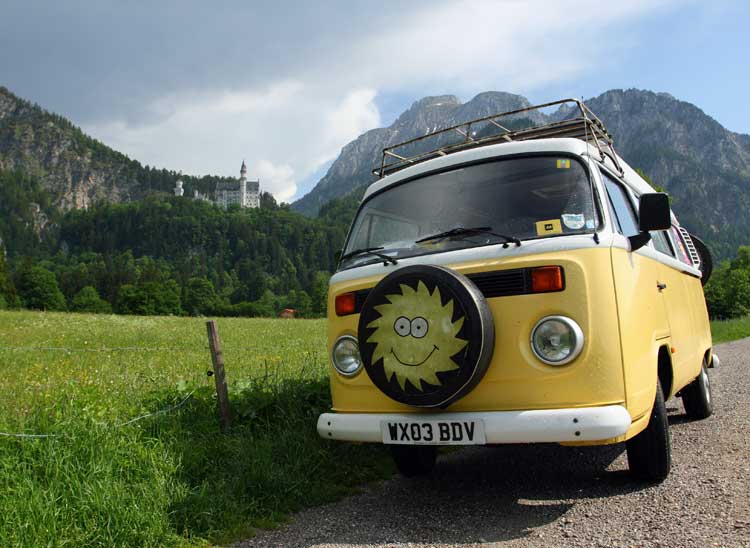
[[345, 304], [546, 278]]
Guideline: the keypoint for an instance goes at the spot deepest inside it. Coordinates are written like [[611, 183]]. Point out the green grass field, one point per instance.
[[170, 479], [730, 330]]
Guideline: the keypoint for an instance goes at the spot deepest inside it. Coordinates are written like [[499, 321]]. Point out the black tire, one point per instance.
[[650, 452], [707, 262], [696, 396], [414, 460]]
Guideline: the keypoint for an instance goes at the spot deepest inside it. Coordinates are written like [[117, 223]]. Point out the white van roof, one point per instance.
[[572, 129], [564, 145]]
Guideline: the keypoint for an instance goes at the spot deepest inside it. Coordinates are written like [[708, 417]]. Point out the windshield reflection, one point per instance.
[[519, 198]]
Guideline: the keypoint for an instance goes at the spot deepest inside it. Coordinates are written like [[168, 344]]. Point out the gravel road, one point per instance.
[[547, 495]]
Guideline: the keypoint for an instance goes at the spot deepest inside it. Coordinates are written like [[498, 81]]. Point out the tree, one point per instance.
[[149, 299], [738, 294], [8, 296], [267, 305], [88, 300], [132, 301], [299, 301], [320, 293], [200, 297], [38, 289], [728, 291]]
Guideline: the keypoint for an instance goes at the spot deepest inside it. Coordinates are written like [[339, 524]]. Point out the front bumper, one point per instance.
[[534, 426]]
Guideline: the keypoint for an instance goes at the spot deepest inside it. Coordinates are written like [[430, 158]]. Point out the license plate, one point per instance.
[[433, 432]]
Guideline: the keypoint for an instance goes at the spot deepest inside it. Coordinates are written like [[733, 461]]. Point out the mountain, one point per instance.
[[76, 170], [353, 168], [704, 166]]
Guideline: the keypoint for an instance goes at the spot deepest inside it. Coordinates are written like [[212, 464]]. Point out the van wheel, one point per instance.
[[649, 453], [696, 397], [414, 460]]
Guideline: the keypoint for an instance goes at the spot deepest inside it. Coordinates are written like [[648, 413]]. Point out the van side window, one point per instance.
[[623, 209], [660, 242]]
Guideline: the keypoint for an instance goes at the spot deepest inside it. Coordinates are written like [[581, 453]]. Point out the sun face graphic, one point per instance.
[[416, 336]]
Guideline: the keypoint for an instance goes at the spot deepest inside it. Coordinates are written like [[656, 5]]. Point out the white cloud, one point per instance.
[[351, 117], [300, 118], [472, 44], [283, 131], [277, 179]]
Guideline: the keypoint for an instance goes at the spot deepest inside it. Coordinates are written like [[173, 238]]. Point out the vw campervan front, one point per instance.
[[519, 285]]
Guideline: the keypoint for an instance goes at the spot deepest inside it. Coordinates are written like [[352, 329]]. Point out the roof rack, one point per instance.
[[586, 126]]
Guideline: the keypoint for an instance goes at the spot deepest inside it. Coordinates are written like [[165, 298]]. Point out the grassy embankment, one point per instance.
[[170, 479], [730, 330]]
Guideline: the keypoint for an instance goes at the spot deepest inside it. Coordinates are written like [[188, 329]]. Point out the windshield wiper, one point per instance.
[[370, 251], [467, 231]]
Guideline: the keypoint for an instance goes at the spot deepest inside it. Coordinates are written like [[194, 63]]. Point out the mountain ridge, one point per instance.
[[76, 169], [704, 166]]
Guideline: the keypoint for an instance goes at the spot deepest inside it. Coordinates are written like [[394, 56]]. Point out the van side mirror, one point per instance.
[[653, 212], [639, 240]]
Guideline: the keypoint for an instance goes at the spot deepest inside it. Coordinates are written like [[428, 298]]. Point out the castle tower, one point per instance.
[[243, 185], [178, 190]]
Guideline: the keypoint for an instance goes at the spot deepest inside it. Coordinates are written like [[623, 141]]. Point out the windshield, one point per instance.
[[522, 198]]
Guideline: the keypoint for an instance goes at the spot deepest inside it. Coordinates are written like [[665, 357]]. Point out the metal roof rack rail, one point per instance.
[[585, 126]]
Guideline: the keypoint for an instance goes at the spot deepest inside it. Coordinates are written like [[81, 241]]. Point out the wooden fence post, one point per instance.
[[220, 377]]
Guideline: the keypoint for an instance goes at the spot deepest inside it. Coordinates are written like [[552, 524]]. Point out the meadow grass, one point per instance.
[[171, 479], [730, 330]]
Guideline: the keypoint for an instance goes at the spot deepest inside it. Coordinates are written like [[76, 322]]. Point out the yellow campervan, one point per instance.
[[515, 285]]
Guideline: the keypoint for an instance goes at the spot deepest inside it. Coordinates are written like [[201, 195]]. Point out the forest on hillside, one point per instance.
[[163, 255]]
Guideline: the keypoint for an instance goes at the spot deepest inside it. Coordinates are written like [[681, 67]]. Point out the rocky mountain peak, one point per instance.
[[705, 167], [8, 103]]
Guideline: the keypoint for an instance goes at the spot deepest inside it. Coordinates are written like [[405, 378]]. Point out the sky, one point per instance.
[[199, 87]]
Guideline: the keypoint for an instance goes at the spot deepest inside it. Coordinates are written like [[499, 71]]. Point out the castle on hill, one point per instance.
[[242, 192]]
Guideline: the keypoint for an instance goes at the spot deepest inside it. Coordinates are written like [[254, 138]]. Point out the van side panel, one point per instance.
[[516, 379], [698, 338], [683, 321], [643, 325]]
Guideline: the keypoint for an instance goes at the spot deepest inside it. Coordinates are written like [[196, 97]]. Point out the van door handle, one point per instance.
[[661, 286]]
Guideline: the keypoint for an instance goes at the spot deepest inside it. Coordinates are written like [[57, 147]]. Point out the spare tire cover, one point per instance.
[[426, 335]]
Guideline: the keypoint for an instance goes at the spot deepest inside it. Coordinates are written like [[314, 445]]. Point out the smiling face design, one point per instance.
[[416, 336]]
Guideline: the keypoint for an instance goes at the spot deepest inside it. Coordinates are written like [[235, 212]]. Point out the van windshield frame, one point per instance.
[[523, 196]]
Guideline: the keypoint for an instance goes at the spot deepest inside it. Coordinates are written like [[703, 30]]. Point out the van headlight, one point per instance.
[[556, 340], [345, 355]]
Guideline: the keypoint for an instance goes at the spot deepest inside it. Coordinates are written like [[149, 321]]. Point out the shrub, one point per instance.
[[88, 300], [38, 289], [200, 297]]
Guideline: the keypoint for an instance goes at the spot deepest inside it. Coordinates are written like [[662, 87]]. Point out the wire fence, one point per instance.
[[120, 349], [163, 411], [114, 349]]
